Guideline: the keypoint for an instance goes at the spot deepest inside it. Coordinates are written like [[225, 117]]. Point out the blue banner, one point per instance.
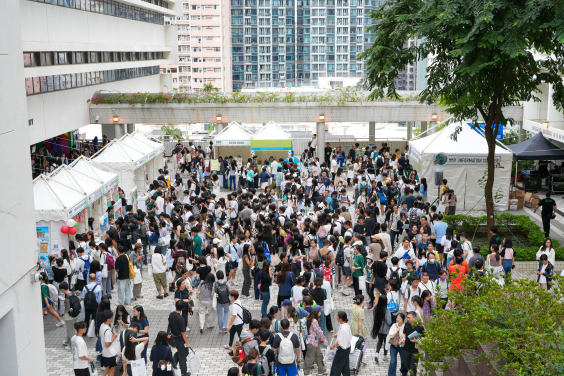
[[480, 130]]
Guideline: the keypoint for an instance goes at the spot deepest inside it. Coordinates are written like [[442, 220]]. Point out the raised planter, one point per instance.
[[532, 266]]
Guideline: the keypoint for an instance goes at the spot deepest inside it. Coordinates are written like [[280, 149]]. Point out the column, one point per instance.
[[118, 130], [409, 130], [130, 128], [432, 125], [371, 132], [424, 128], [521, 132], [109, 130], [219, 127], [320, 131]]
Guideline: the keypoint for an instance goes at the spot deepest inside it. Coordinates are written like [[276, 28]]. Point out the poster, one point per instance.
[[239, 161], [103, 226], [214, 165], [43, 240], [80, 216], [134, 199], [119, 210], [56, 249]]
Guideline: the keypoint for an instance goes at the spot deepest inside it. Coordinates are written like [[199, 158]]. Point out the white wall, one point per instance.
[[17, 221]]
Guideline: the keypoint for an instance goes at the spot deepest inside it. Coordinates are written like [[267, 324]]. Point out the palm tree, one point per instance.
[[171, 130], [209, 87]]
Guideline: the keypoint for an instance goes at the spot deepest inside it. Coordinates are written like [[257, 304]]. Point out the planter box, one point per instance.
[[532, 266]]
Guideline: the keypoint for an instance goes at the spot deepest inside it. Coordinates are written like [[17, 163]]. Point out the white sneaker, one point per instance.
[[234, 283], [227, 347], [59, 324], [66, 343], [386, 358], [68, 348]]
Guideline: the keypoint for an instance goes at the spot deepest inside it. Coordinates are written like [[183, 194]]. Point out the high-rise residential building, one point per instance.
[[296, 42], [204, 51], [73, 48]]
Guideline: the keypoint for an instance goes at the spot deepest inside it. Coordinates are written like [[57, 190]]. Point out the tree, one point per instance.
[[171, 130], [482, 57], [521, 321], [208, 87]]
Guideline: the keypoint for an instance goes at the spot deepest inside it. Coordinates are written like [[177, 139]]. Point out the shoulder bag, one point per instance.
[[394, 341], [165, 365]]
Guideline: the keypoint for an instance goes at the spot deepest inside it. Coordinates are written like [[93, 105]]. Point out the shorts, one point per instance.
[[110, 362], [290, 370], [234, 264], [160, 280], [43, 303], [347, 271], [82, 372], [440, 248]]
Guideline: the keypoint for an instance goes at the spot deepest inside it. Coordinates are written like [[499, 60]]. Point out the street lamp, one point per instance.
[[321, 117], [218, 117], [434, 117], [116, 119], [545, 124]]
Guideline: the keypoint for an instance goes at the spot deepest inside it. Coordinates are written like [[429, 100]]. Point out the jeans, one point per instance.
[[222, 315], [507, 264], [393, 236], [546, 225], [394, 351], [265, 301], [225, 180], [201, 174], [320, 241], [256, 283], [232, 182], [107, 285], [449, 259], [124, 291]]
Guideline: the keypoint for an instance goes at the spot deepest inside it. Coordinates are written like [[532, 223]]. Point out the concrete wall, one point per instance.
[[22, 345]]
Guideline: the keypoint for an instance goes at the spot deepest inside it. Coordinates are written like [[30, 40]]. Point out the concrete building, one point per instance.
[[72, 48]]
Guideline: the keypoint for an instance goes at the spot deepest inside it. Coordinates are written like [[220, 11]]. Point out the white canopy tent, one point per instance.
[[155, 162], [140, 172], [233, 140], [463, 163], [271, 141]]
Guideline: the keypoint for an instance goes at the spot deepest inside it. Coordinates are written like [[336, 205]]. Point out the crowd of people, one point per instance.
[[299, 232]]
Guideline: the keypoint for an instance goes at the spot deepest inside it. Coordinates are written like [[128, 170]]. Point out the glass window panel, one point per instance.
[[36, 85], [68, 79], [56, 82], [62, 82], [50, 85]]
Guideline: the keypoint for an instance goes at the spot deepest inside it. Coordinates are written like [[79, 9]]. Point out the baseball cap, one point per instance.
[[286, 303], [216, 241]]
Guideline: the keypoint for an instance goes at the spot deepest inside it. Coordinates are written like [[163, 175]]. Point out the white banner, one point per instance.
[[95, 195], [112, 183], [552, 133], [442, 159], [414, 154], [232, 143], [77, 208]]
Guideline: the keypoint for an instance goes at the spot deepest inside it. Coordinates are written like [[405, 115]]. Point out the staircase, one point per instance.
[[464, 364]]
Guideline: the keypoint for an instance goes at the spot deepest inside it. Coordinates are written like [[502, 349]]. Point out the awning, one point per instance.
[[536, 148], [271, 137]]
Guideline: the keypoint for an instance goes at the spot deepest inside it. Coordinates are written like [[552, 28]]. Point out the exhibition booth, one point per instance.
[[463, 163], [233, 140], [271, 141]]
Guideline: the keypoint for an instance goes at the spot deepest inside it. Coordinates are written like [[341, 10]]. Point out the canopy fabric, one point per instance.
[[535, 148], [272, 131], [233, 135], [157, 146], [55, 201], [119, 156], [86, 166], [76, 180]]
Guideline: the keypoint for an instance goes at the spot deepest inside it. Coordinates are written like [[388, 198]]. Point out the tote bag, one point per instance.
[[193, 361], [138, 367]]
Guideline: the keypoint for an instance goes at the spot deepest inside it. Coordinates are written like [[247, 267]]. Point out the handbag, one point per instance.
[[138, 367], [150, 271], [165, 365], [394, 341], [165, 240], [330, 354], [104, 271], [91, 329], [193, 361], [169, 277], [137, 279]]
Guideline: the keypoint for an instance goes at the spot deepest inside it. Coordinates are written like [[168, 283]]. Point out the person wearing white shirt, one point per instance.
[[334, 167], [410, 292], [80, 358], [236, 323], [158, 261], [231, 249], [548, 250], [340, 363], [160, 204], [234, 208], [405, 247], [427, 284], [107, 336]]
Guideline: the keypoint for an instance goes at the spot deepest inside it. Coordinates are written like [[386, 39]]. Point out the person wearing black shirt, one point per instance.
[[361, 229], [548, 211], [203, 270], [409, 348], [178, 339], [496, 239], [122, 271], [328, 151]]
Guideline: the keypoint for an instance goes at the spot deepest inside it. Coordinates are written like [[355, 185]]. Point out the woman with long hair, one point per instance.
[[133, 350], [546, 249], [206, 302], [265, 283], [381, 327], [248, 263], [121, 319], [285, 280], [161, 351], [494, 260], [140, 318], [507, 258], [314, 338]]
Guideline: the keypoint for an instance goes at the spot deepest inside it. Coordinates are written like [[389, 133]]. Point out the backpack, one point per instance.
[[380, 161], [286, 354], [222, 291], [180, 263], [110, 261], [90, 299], [393, 305], [394, 276], [340, 259], [327, 273], [53, 293], [86, 268], [322, 233], [74, 306], [197, 189], [247, 317], [383, 199], [263, 362], [413, 216]]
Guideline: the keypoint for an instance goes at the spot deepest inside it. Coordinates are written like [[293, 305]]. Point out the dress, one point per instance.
[[358, 314]]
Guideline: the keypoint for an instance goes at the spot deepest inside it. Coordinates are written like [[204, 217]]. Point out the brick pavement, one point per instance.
[[209, 345]]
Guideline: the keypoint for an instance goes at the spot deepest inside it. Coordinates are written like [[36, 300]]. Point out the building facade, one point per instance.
[[295, 42]]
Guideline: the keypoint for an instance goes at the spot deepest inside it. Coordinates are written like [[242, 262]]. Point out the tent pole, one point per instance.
[[516, 164]]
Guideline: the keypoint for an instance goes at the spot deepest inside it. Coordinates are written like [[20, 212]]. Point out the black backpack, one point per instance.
[[380, 162], [247, 317], [222, 291], [394, 276], [197, 190], [75, 305], [90, 299], [340, 259]]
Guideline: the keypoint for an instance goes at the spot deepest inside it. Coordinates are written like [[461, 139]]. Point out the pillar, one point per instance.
[[130, 128], [371, 132], [409, 130], [219, 127], [320, 131], [432, 127], [119, 130], [109, 130], [423, 128], [521, 131]]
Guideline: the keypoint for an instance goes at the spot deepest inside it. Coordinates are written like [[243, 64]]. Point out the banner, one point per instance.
[[43, 240], [259, 145], [134, 199], [103, 226], [119, 210], [442, 159], [214, 165], [232, 143], [77, 208]]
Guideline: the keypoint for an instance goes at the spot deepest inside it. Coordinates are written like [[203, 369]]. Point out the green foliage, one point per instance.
[[521, 224], [171, 130], [339, 95], [521, 321]]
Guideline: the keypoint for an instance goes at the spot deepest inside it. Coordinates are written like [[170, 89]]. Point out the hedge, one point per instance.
[[526, 226]]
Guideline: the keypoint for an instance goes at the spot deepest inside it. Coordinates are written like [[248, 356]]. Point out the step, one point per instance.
[[451, 366], [485, 368], [466, 367], [439, 371]]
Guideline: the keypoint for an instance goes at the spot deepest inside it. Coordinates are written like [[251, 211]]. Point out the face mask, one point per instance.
[[443, 278], [364, 194], [432, 261]]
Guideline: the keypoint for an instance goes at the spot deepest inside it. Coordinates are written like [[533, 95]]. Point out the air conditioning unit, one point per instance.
[[167, 138]]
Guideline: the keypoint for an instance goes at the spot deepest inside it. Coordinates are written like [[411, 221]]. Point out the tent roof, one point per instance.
[[76, 180], [52, 200], [469, 141], [134, 143], [233, 132], [537, 147], [137, 135], [272, 132], [90, 168], [118, 155]]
